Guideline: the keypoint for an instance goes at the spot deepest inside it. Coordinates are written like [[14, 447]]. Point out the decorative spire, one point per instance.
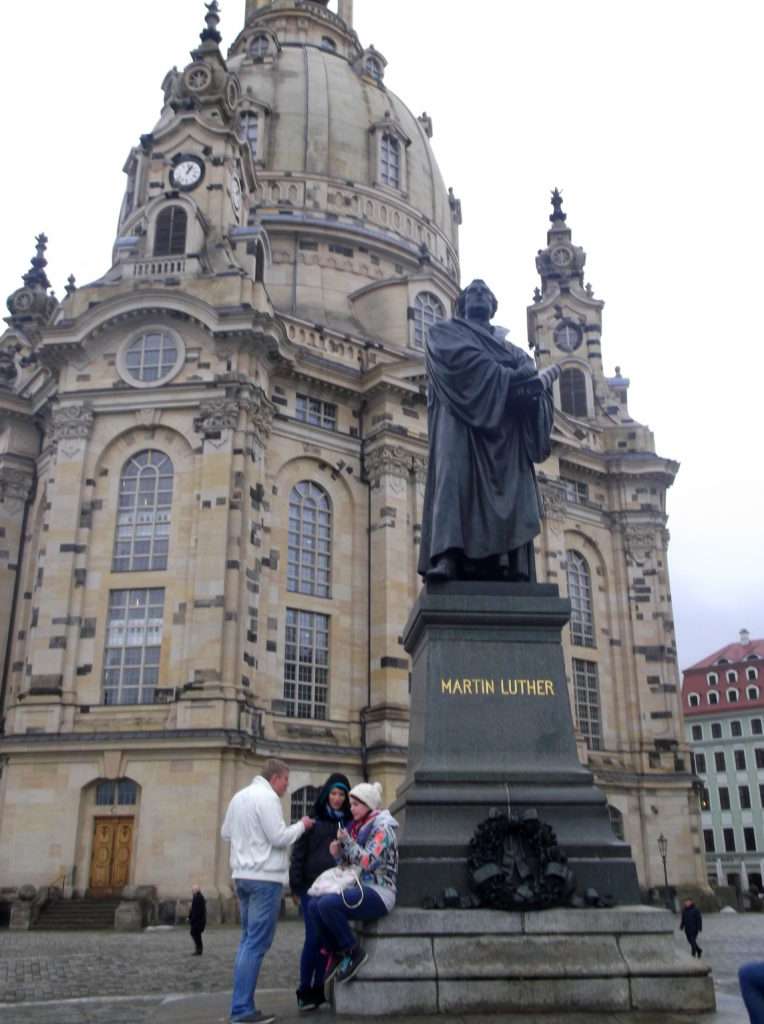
[[557, 215], [36, 277], [212, 18]]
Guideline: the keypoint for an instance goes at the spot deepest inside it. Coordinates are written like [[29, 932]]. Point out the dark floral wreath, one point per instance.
[[515, 864]]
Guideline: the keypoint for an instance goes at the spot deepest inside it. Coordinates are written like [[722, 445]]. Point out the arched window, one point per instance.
[[143, 517], [713, 697], [694, 700], [374, 69], [134, 625], [751, 674], [170, 232], [259, 46], [732, 696], [712, 678], [327, 43], [390, 161], [616, 822], [580, 594], [573, 392], [732, 676], [752, 692], [310, 540], [152, 356], [249, 127], [302, 801], [428, 309]]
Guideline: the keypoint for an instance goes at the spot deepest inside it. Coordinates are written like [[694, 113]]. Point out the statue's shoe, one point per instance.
[[443, 570]]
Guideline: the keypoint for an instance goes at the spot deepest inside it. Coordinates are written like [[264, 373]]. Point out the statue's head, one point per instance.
[[477, 302]]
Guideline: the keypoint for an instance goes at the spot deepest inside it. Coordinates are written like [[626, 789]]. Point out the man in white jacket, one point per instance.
[[259, 837]]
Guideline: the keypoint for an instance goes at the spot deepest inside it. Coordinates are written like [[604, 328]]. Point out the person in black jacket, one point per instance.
[[691, 924], [310, 857], [197, 918]]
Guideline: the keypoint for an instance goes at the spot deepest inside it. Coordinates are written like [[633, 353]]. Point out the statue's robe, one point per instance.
[[481, 496]]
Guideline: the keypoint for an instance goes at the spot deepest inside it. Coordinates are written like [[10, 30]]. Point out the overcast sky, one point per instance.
[[646, 115]]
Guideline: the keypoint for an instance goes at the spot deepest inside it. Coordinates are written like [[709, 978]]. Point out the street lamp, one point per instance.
[[663, 850]]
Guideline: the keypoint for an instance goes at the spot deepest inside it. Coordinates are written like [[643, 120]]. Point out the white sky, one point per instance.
[[647, 116]]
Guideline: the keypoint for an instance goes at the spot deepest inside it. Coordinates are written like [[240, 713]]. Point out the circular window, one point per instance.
[[567, 337], [152, 357], [259, 46]]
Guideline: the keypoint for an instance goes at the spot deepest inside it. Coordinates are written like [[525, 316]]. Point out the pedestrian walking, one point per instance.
[[371, 846], [692, 924], [751, 977], [310, 857], [197, 918], [259, 837]]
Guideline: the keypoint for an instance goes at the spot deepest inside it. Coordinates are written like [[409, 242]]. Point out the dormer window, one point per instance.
[[373, 67], [170, 232], [428, 309], [327, 43], [390, 161], [259, 46]]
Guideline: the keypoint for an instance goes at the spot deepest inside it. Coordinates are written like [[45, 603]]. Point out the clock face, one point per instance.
[[187, 173], [236, 194], [567, 337], [198, 77], [562, 256]]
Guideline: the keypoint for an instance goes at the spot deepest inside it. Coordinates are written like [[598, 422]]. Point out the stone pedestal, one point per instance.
[[485, 961], [491, 726]]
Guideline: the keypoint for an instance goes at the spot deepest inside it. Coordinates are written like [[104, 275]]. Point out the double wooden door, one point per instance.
[[112, 846]]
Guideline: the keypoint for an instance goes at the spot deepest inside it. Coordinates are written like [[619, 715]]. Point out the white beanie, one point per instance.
[[369, 793]]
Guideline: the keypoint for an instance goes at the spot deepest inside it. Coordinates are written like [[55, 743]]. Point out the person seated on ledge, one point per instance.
[[310, 857], [371, 844]]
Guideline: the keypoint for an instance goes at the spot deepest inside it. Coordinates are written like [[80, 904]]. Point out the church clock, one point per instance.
[[187, 173]]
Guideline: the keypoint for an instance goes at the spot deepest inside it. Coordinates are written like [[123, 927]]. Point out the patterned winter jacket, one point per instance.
[[374, 847]]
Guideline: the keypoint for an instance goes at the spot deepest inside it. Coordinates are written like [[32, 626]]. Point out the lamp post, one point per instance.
[[663, 850]]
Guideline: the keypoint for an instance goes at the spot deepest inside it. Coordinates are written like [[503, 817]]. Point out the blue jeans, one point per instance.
[[311, 961], [260, 903], [752, 989], [331, 916]]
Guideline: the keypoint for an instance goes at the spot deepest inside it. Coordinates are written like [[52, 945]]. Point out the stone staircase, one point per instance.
[[86, 914]]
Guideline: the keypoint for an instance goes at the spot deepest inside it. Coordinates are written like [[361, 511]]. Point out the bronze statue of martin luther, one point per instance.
[[490, 416]]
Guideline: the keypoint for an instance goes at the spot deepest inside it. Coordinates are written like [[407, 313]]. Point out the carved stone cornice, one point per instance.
[[216, 415], [15, 484], [70, 422], [389, 460]]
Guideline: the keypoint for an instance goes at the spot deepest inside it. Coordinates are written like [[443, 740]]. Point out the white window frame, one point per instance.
[[140, 521], [309, 540], [133, 645], [306, 664], [122, 357], [428, 309]]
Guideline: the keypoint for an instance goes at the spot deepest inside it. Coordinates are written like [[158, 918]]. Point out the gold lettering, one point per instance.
[[467, 684], [531, 686], [513, 687], [445, 686], [549, 688], [489, 686], [458, 688]]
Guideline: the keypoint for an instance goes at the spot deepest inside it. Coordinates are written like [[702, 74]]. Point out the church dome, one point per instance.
[[333, 147]]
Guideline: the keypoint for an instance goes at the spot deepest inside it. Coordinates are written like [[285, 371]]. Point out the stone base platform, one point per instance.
[[483, 961]]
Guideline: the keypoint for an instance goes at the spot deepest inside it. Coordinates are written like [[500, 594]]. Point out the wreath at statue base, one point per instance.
[[515, 863]]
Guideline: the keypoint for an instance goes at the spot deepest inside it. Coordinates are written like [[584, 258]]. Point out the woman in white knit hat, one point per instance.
[[370, 844]]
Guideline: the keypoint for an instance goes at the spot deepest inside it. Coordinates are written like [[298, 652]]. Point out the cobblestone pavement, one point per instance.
[[100, 977]]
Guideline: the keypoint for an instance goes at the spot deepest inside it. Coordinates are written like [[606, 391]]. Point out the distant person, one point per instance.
[[751, 977], [370, 844], [310, 857], [692, 924], [254, 825], [197, 918]]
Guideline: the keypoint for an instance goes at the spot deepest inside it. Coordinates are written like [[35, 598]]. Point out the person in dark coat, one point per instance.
[[310, 857], [197, 918], [692, 924]]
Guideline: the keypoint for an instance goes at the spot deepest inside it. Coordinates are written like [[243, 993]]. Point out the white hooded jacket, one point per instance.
[[259, 837]]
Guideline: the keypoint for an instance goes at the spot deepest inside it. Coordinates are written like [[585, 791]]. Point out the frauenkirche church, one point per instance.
[[212, 465]]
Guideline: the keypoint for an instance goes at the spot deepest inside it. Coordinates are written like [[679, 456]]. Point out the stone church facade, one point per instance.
[[212, 468]]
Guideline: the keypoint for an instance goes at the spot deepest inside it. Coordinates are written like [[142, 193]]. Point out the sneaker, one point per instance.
[[258, 1017], [351, 965], [333, 964], [307, 999]]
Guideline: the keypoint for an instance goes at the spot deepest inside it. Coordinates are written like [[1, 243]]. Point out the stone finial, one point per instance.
[[71, 285], [31, 305], [212, 19], [537, 295], [557, 215], [36, 277]]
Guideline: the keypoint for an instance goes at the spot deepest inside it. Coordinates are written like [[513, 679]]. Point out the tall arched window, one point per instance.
[[143, 517], [309, 553], [580, 594], [390, 161], [249, 129], [573, 392], [428, 309], [170, 232]]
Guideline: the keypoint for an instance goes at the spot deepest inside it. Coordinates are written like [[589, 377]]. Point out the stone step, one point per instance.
[[78, 915]]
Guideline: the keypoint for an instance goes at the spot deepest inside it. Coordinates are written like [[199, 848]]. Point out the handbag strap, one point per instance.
[[353, 906]]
